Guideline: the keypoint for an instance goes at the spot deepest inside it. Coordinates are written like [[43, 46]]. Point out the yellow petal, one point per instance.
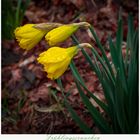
[[56, 70], [56, 60], [56, 54], [28, 36], [61, 71], [71, 51], [53, 68], [59, 65], [60, 34]]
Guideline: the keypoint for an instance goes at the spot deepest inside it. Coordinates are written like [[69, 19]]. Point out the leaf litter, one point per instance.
[[29, 105]]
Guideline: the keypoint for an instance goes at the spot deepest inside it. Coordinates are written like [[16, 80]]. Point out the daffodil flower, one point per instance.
[[61, 33], [56, 60], [31, 34]]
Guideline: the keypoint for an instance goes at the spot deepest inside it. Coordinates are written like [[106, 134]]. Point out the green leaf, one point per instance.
[[77, 119], [79, 78], [97, 117], [88, 58], [120, 104], [133, 63], [114, 54], [133, 82], [12, 16], [130, 31], [129, 38], [102, 49], [103, 64], [74, 115], [101, 75], [119, 37], [23, 8], [100, 103], [119, 40], [17, 13], [93, 66], [75, 72]]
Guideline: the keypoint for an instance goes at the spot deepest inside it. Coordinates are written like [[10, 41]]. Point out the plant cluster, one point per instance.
[[119, 77]]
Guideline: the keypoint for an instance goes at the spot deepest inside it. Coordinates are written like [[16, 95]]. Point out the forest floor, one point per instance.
[[28, 106]]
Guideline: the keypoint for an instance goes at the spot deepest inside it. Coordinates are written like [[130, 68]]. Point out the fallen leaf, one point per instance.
[[52, 108]]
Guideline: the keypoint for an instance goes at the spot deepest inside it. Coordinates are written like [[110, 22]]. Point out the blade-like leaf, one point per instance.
[[119, 40], [129, 38], [103, 64], [102, 49], [100, 103], [114, 54], [77, 119], [75, 72], [99, 74], [78, 77], [99, 120], [88, 58], [120, 104], [74, 115], [133, 82]]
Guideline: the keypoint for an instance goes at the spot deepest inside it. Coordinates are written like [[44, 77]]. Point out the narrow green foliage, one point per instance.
[[119, 81], [74, 115], [81, 82], [102, 49], [99, 120], [113, 51], [12, 16], [77, 119], [75, 72]]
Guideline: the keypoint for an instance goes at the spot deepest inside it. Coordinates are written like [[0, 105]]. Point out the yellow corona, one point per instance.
[[63, 32], [56, 60]]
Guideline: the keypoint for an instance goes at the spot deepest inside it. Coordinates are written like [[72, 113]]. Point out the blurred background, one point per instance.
[[27, 102]]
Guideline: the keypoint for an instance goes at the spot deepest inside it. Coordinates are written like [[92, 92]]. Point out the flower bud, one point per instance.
[[31, 34], [63, 32], [56, 60]]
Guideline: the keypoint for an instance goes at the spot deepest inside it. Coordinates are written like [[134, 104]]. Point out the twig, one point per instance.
[[93, 2]]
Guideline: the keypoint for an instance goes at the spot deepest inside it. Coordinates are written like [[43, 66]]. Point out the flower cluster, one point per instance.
[[56, 59]]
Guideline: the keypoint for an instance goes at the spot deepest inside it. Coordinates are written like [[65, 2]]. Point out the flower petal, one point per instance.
[[58, 69], [56, 60], [60, 34], [28, 36]]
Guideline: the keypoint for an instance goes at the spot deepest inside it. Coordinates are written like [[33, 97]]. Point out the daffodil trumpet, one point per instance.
[[61, 33], [56, 60]]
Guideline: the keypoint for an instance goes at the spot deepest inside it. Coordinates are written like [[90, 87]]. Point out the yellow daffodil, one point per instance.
[[56, 60], [30, 34], [61, 33]]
